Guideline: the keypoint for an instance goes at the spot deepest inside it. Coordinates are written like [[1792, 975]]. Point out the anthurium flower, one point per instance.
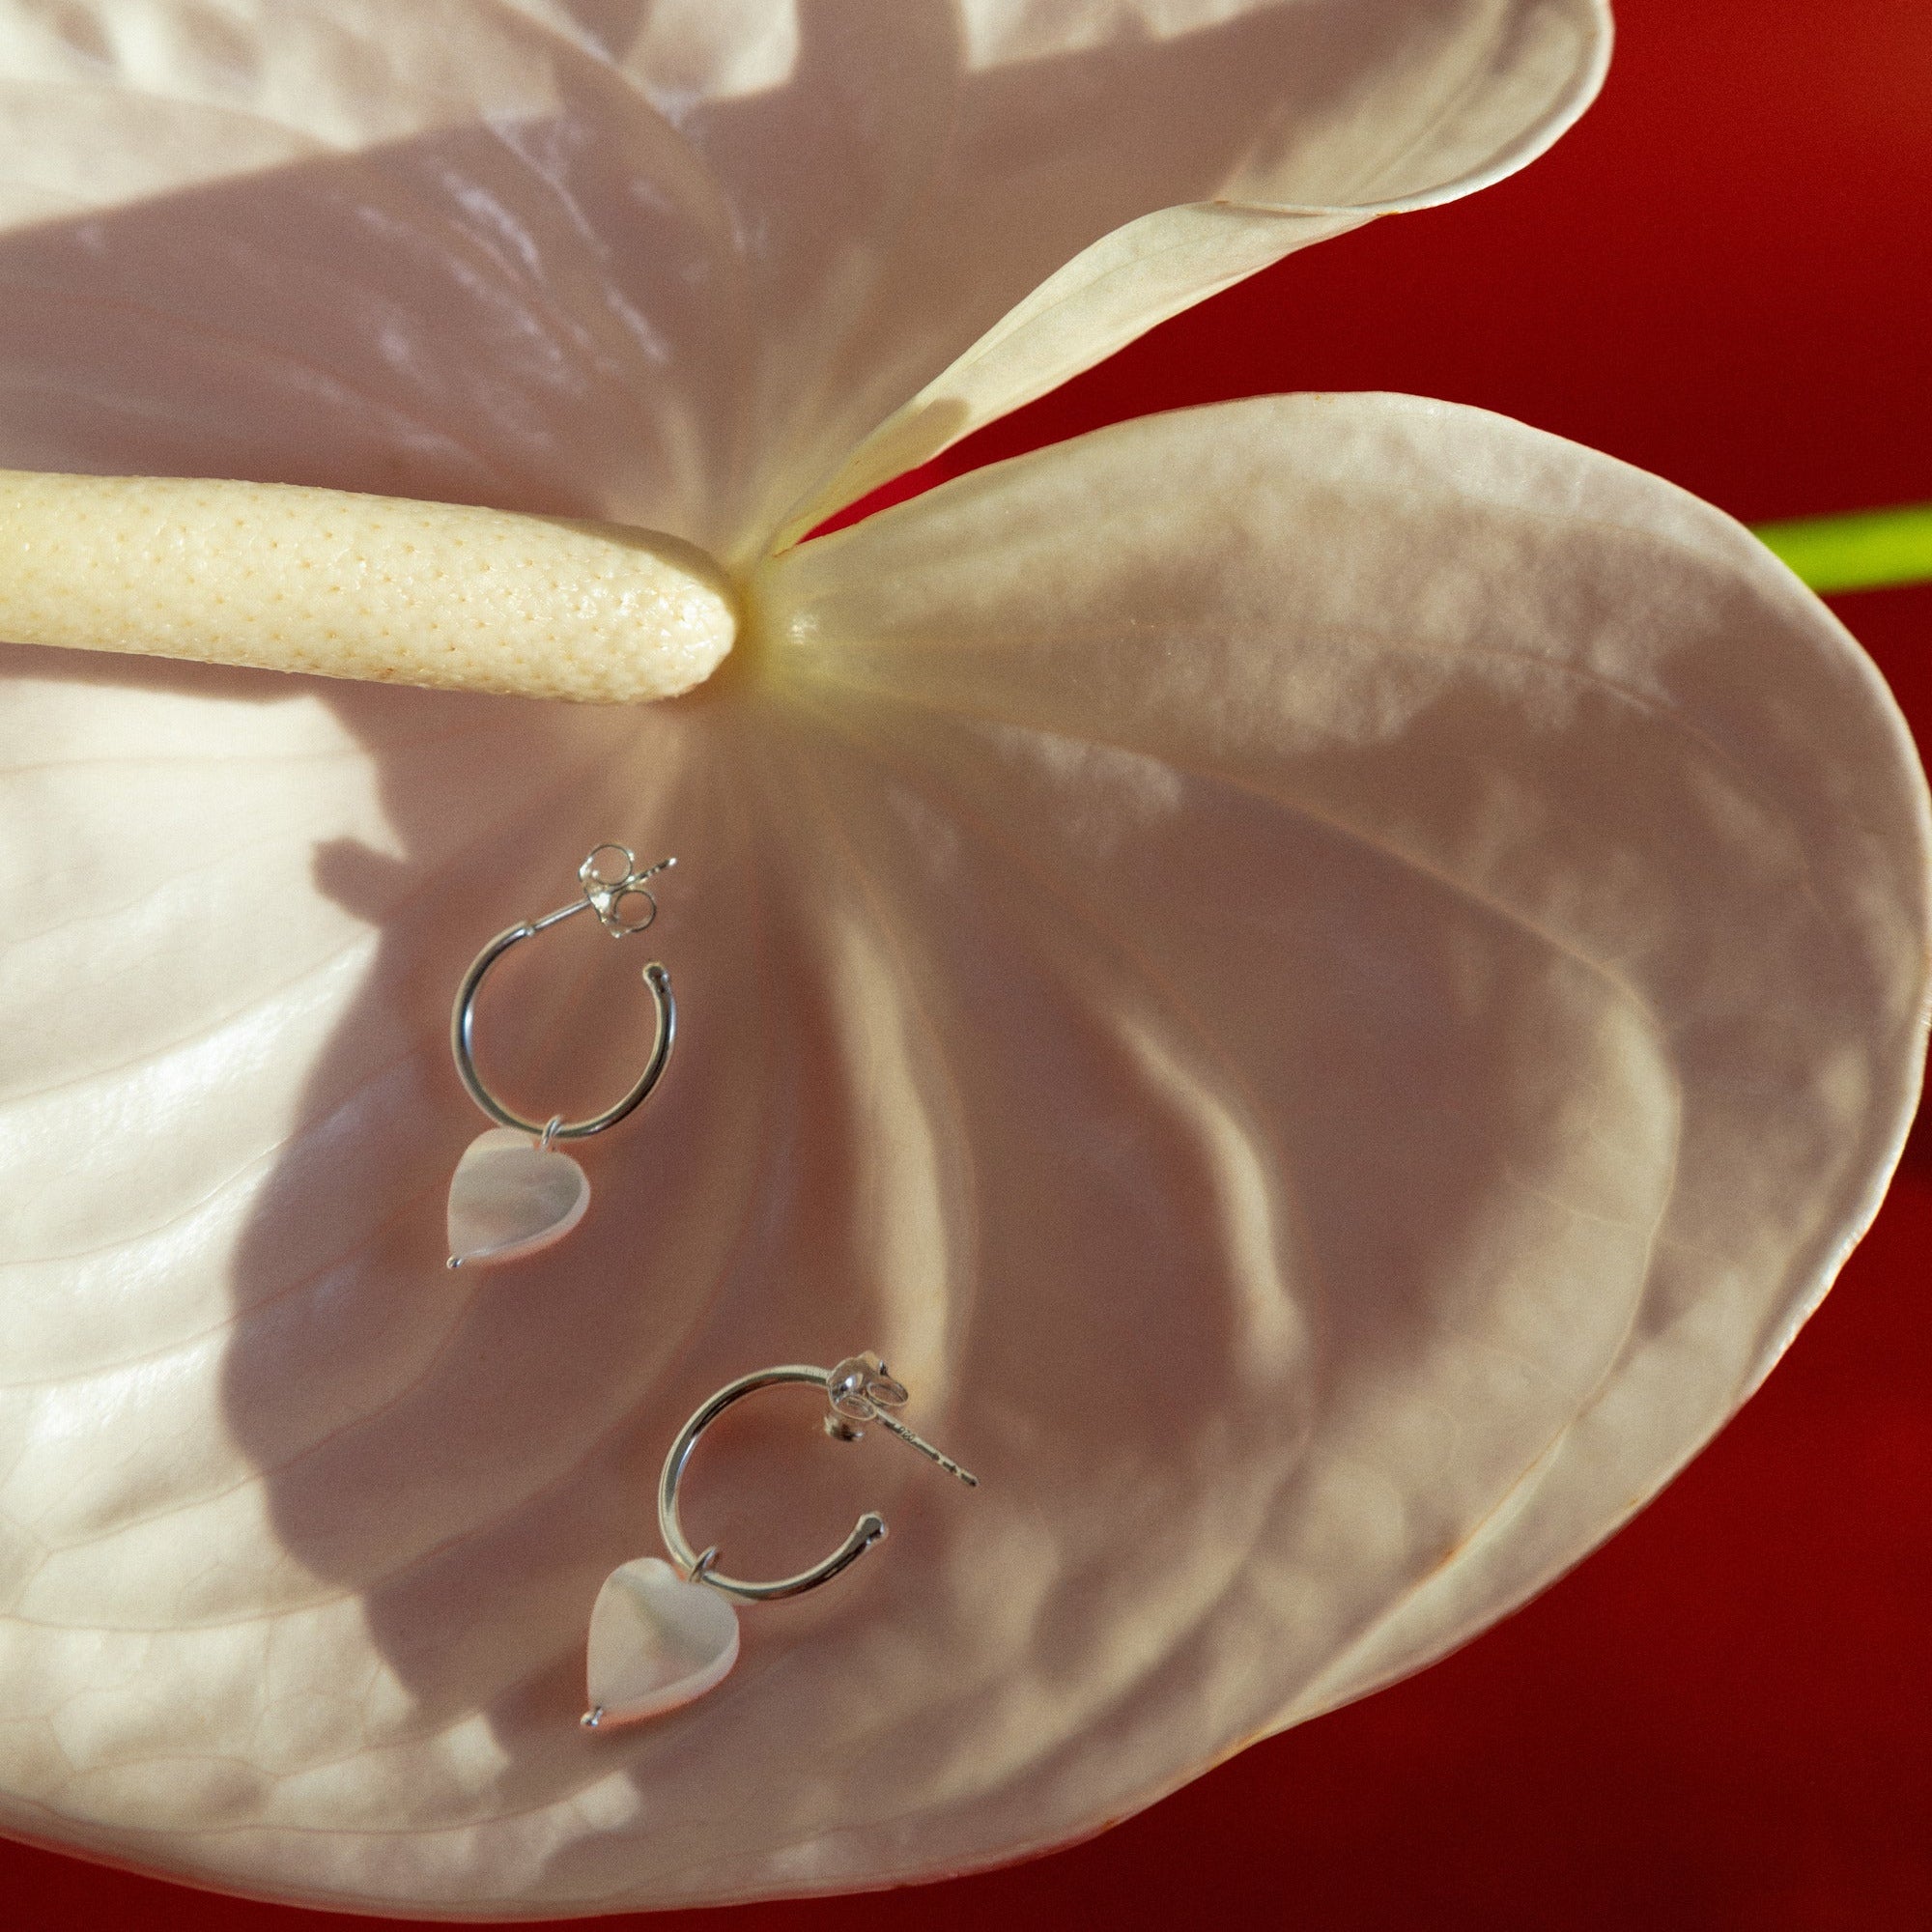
[[1328, 978]]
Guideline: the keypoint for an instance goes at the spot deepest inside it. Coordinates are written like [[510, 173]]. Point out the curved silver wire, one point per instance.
[[866, 1531], [607, 898]]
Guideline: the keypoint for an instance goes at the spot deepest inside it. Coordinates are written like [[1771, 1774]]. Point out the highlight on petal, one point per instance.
[[1327, 978], [104, 103], [669, 264]]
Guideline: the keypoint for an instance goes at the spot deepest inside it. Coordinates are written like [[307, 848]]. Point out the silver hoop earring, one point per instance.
[[659, 1639], [513, 1193]]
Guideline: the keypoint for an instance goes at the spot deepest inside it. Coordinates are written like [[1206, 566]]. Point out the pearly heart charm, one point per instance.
[[510, 1196], [656, 1642]]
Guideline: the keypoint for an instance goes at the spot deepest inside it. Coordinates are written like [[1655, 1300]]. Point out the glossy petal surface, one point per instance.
[[1170, 953], [669, 264], [1664, 823]]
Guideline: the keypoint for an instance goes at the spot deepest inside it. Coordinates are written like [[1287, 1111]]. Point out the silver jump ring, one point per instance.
[[841, 1413], [612, 900]]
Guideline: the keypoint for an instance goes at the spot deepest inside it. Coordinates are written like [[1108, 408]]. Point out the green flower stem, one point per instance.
[[1858, 552]]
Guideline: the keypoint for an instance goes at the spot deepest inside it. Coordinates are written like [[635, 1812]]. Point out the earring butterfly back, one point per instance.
[[514, 1192]]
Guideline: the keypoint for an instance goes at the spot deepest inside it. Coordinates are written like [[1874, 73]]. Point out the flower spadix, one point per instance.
[[1330, 977], [348, 585]]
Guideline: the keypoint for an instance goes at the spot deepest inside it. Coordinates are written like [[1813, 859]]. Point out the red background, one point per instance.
[[1721, 1719]]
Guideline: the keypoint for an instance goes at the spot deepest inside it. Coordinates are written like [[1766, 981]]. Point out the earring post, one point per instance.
[[924, 1447], [549, 918]]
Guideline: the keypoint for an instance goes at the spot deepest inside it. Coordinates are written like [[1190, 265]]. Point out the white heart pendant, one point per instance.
[[656, 1642], [510, 1197]]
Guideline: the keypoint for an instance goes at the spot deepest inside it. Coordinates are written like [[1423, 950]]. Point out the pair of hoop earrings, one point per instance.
[[658, 1640]]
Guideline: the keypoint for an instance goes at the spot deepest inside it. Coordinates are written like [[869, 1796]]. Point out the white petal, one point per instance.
[[108, 102], [1404, 661], [670, 264], [1326, 980], [1365, 110]]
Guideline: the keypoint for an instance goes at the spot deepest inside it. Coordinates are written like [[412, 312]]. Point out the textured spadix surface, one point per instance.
[[436, 594], [1327, 978]]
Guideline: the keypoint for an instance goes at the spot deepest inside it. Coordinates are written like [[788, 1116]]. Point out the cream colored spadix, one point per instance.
[[337, 585]]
